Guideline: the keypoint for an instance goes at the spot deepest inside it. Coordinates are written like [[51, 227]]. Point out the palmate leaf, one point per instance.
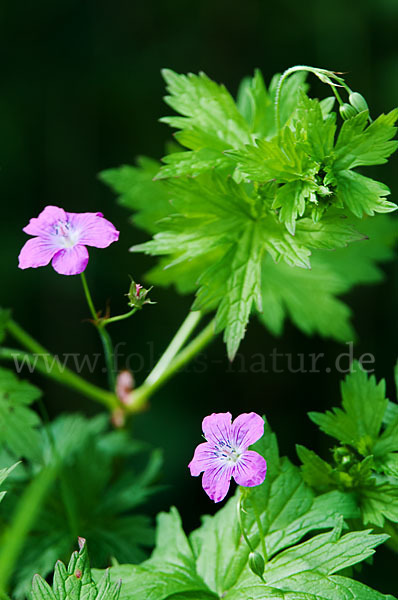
[[75, 581], [212, 122], [358, 422], [367, 460], [99, 503], [310, 298], [238, 225], [239, 172], [358, 145], [18, 422], [213, 561]]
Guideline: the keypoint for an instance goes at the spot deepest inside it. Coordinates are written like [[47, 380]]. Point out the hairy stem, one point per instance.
[[104, 335], [106, 322]]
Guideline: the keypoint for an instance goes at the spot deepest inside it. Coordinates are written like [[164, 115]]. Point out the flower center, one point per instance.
[[226, 451], [67, 237]]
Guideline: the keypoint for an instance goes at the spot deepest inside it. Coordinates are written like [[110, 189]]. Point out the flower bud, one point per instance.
[[137, 295], [347, 111], [358, 102], [256, 563]]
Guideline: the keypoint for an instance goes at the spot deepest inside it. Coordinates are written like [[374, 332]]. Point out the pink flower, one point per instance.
[[62, 237], [226, 454]]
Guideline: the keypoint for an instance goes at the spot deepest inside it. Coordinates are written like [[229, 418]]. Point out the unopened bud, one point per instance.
[[138, 295], [347, 111], [256, 563], [358, 102]]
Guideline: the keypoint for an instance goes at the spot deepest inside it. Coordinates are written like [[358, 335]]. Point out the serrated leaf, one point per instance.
[[280, 159], [242, 289], [192, 163], [359, 422], [362, 195], [213, 562], [257, 105], [357, 146], [379, 502], [75, 582], [211, 118], [314, 129]]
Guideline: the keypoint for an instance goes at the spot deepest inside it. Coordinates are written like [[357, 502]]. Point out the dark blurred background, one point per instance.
[[82, 92]]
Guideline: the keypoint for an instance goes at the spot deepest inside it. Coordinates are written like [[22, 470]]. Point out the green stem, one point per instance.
[[109, 356], [88, 297], [174, 347], [24, 517], [316, 71], [338, 97], [240, 521], [104, 335], [260, 530], [168, 365], [53, 369], [106, 322]]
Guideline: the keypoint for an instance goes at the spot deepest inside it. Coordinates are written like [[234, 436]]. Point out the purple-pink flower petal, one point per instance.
[[247, 429], [202, 459], [42, 225], [225, 454], [250, 470], [217, 427], [63, 237], [216, 482], [71, 261], [93, 229], [36, 252]]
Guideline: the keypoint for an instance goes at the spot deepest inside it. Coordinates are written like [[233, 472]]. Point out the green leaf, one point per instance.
[[211, 118], [18, 422], [314, 129], [316, 472], [290, 198], [75, 582], [379, 502], [100, 502], [213, 562], [242, 289], [192, 163], [308, 297], [4, 473], [257, 105], [359, 422], [139, 192], [362, 195], [357, 146], [280, 158]]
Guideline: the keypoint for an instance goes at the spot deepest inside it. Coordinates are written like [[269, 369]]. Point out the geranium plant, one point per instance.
[[242, 213]]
